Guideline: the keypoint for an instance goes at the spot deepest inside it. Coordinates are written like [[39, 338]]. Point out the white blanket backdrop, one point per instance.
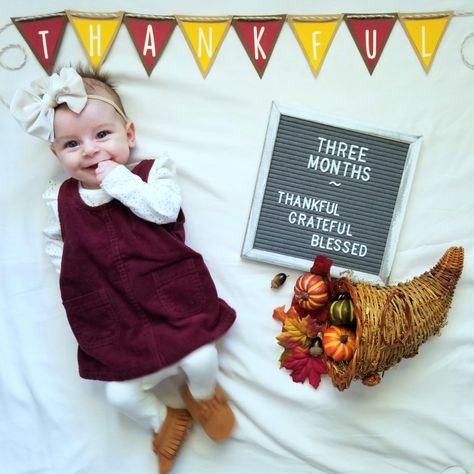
[[419, 420]]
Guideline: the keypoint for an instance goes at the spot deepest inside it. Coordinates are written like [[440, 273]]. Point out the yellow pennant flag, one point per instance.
[[315, 34], [425, 31], [204, 36], [96, 33]]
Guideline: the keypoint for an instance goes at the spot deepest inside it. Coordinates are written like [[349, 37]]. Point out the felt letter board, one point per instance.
[[330, 187]]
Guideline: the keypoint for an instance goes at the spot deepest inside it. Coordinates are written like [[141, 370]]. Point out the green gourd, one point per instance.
[[341, 312]]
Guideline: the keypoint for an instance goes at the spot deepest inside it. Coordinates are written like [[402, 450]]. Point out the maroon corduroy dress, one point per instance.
[[136, 296]]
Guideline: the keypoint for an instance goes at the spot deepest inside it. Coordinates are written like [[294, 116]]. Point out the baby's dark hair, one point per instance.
[[95, 80]]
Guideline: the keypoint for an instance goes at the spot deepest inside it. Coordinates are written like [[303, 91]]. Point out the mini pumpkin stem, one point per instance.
[[343, 339]]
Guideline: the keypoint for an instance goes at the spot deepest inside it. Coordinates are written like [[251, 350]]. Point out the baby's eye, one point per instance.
[[71, 144], [102, 134]]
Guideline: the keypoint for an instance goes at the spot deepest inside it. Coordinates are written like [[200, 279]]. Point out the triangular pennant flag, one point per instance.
[[43, 34], [370, 33], [315, 34], [204, 36], [96, 33], [259, 35], [150, 35], [425, 30]]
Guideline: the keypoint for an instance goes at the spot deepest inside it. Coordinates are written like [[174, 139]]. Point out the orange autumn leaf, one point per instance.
[[295, 333], [281, 315]]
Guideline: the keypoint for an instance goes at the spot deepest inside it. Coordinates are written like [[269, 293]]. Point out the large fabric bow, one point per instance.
[[34, 108]]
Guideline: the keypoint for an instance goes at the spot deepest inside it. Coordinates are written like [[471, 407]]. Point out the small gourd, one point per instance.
[[342, 312], [311, 291], [339, 343]]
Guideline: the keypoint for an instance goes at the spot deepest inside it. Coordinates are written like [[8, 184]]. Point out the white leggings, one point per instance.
[[134, 398]]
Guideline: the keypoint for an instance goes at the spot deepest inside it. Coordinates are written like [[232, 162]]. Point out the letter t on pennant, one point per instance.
[[44, 35]]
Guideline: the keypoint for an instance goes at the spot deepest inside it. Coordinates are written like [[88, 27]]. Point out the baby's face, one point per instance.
[[83, 140]]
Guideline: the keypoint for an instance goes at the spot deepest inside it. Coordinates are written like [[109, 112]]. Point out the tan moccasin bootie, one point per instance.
[[167, 442], [213, 414]]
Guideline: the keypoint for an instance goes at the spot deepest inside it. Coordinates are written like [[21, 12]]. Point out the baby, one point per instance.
[[140, 302]]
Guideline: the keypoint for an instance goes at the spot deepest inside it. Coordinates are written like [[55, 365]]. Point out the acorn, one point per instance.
[[278, 280]]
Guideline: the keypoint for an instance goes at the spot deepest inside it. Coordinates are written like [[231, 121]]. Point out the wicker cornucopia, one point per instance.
[[393, 321]]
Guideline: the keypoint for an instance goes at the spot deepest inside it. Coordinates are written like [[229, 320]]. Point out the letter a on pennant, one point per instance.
[[370, 33], [44, 35], [315, 34], [204, 36], [425, 31], [150, 35], [96, 33], [259, 35]]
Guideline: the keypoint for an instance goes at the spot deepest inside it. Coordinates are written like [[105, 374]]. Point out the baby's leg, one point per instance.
[[170, 425], [132, 400], [201, 368], [204, 399]]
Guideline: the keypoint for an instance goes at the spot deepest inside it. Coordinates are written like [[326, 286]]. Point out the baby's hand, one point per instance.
[[104, 168]]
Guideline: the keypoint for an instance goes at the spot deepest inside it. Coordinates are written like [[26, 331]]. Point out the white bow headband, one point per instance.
[[34, 108]]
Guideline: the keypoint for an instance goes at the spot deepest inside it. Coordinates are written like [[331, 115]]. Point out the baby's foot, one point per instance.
[[214, 414], [167, 442]]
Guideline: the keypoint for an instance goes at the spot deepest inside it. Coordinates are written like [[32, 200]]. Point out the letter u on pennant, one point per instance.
[[96, 33], [370, 34]]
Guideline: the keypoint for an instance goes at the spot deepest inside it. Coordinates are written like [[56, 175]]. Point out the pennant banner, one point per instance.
[[315, 34], [96, 33], [150, 35], [425, 32], [370, 33], [204, 36], [43, 34], [258, 35]]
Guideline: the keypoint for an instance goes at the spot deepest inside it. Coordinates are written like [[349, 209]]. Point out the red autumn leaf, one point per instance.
[[321, 266], [304, 366], [314, 327]]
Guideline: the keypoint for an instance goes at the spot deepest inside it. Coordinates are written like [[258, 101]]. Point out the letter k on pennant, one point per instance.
[[258, 35]]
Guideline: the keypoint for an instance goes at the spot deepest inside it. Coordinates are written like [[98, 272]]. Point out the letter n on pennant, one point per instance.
[[204, 36], [370, 34], [259, 35], [96, 33], [44, 35], [150, 35], [425, 30]]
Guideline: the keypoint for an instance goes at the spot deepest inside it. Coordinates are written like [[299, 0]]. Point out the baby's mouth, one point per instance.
[[92, 167]]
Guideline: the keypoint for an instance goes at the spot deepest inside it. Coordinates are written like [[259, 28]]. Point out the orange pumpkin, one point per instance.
[[339, 343], [311, 291]]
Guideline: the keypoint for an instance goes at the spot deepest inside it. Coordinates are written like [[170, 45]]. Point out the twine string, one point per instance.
[[8, 67]]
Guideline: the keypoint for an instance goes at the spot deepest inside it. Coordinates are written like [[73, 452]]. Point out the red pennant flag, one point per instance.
[[150, 35], [258, 35], [43, 34], [370, 33]]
